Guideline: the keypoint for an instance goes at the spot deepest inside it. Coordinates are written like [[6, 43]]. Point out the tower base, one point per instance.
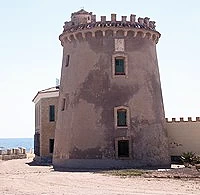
[[61, 164]]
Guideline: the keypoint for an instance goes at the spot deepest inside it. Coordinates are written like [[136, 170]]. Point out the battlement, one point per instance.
[[14, 153], [84, 24], [181, 119], [86, 20]]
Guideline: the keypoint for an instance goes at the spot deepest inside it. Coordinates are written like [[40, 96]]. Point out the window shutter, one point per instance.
[[121, 118], [119, 66]]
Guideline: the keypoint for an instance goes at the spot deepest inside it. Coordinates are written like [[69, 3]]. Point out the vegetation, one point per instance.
[[190, 158], [126, 172]]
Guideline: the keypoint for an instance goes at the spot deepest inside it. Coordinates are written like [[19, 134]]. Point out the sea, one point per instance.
[[8, 143]]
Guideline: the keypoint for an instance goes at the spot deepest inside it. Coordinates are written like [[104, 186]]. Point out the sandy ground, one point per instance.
[[18, 178]]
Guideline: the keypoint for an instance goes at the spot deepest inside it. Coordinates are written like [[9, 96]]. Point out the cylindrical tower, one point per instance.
[[110, 112]]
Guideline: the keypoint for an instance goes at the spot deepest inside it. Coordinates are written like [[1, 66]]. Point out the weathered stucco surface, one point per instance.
[[44, 128], [86, 129], [47, 128], [184, 136]]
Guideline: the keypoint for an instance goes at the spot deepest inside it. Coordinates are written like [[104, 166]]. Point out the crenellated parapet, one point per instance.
[[181, 119], [14, 153], [84, 24]]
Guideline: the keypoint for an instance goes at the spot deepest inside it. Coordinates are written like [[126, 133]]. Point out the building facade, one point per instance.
[[110, 110], [46, 104], [183, 134]]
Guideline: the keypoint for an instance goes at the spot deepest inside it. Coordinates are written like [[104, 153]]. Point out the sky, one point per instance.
[[31, 53]]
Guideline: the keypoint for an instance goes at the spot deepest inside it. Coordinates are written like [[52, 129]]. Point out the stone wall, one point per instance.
[[14, 153], [91, 90], [184, 135]]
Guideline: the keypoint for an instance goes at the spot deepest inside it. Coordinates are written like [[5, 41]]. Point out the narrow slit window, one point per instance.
[[63, 104], [121, 118], [67, 60], [119, 66], [51, 113], [123, 148]]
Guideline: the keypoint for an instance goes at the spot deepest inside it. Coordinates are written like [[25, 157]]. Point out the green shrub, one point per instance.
[[189, 158], [196, 159]]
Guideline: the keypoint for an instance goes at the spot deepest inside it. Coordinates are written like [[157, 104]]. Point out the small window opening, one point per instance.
[[63, 104], [52, 113], [122, 118], [119, 66], [123, 148], [67, 60], [37, 144], [51, 145]]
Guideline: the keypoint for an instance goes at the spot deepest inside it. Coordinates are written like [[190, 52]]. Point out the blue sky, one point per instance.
[[31, 54]]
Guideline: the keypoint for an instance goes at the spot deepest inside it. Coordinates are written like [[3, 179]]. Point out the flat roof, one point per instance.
[[45, 93]]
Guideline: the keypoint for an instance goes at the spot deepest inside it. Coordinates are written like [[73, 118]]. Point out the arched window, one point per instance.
[[121, 116], [119, 65]]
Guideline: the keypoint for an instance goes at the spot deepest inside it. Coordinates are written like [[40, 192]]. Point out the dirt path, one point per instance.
[[18, 178]]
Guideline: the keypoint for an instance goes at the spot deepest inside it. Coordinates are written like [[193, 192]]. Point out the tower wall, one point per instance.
[[91, 93]]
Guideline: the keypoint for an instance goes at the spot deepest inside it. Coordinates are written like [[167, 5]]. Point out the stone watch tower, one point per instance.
[[110, 112]]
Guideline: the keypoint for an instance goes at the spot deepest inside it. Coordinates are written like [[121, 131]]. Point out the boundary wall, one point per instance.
[[184, 135]]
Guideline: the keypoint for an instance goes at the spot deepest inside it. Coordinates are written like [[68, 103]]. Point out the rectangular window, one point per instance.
[[122, 118], [119, 66], [51, 145], [67, 61], [51, 113], [123, 148]]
